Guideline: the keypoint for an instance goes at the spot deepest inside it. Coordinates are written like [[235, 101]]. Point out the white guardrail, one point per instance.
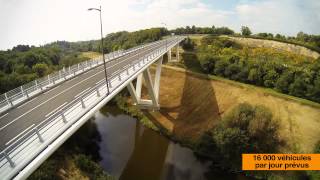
[[37, 138], [23, 93]]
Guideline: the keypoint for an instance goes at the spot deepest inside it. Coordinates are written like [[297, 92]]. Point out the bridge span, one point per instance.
[[36, 118]]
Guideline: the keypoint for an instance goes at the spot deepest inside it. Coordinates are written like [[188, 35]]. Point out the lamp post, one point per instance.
[[104, 61], [166, 39]]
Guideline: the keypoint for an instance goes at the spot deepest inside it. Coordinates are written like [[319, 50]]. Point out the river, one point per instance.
[[130, 151]]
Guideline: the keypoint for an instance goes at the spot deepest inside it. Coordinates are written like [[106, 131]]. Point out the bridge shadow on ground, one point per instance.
[[188, 101]]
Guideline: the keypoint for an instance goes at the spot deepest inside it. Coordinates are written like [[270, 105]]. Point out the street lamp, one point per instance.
[[165, 25], [104, 61]]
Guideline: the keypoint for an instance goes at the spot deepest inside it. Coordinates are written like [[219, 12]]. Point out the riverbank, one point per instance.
[[192, 103], [76, 159]]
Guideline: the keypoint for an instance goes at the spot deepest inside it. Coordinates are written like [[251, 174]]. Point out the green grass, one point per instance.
[[199, 73], [191, 63], [267, 91]]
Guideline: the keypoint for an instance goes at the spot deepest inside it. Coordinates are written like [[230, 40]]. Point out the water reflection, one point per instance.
[[130, 151]]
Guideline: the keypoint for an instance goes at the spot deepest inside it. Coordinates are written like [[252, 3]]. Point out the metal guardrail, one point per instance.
[[22, 93], [32, 141]]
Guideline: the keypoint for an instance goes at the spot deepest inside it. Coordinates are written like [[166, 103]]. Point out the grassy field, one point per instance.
[[90, 54], [191, 103]]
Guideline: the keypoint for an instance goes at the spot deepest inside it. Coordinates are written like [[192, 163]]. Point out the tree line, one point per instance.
[[289, 74], [24, 63], [302, 39]]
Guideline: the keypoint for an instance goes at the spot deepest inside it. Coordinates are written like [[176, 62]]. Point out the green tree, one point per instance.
[[188, 44], [270, 78], [255, 76], [40, 69], [284, 81], [220, 67], [245, 129], [245, 31]]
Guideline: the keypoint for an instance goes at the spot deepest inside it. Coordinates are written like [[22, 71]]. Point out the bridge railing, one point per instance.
[[36, 138], [22, 93]]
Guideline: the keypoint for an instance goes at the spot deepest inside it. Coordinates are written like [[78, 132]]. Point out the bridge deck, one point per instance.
[[41, 108]]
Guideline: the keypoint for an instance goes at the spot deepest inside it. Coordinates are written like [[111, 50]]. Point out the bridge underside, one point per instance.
[[31, 147], [152, 85]]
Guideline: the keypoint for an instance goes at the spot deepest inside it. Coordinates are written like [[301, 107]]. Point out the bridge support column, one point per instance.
[[177, 54], [170, 59], [169, 55], [152, 87]]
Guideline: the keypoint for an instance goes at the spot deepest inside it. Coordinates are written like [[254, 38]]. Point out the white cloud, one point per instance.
[[286, 16], [40, 21]]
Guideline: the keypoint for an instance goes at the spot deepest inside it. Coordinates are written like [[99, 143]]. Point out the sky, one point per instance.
[[37, 22]]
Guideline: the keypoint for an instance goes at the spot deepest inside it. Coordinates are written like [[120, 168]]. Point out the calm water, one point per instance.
[[130, 151]]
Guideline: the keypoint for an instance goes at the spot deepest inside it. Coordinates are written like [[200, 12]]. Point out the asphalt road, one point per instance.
[[40, 107]]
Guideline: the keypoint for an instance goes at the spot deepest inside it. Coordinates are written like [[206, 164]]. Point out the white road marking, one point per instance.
[[65, 90], [4, 115], [55, 109], [100, 81], [47, 101], [82, 92], [19, 134]]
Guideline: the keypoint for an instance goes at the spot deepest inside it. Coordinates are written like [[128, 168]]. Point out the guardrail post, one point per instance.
[[39, 86], [64, 75], [127, 71], [8, 159], [24, 92], [48, 79], [82, 65], [8, 100], [39, 135], [64, 118], [120, 77], [82, 103], [110, 85], [134, 69], [98, 92]]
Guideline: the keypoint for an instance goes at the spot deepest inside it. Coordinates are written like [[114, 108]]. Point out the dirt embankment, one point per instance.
[[251, 42], [191, 104]]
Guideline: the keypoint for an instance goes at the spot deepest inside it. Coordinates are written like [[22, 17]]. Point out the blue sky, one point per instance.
[[41, 21]]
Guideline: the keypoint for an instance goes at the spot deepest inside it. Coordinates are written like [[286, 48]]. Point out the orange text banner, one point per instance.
[[280, 161]]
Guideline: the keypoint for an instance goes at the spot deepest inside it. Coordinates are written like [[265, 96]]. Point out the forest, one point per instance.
[[302, 39], [285, 72], [290, 74], [24, 63]]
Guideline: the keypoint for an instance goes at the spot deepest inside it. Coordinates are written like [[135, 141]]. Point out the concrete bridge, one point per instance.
[[38, 117]]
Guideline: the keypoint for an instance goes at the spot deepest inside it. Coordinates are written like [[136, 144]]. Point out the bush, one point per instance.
[[92, 169], [246, 129], [188, 44], [47, 170]]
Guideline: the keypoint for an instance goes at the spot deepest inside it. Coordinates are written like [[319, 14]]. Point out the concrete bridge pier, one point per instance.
[[152, 87], [170, 59]]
